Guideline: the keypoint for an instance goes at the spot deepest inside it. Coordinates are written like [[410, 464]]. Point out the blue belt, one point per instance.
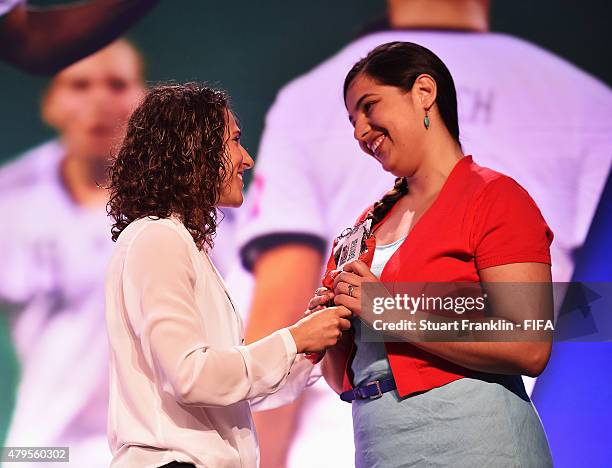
[[369, 391]]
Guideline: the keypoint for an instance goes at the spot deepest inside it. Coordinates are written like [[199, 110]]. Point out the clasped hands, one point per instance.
[[346, 294]]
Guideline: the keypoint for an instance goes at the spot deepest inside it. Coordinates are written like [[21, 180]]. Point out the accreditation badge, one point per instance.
[[356, 243]]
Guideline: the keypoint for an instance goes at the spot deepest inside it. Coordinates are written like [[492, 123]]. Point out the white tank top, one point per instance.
[[382, 254]]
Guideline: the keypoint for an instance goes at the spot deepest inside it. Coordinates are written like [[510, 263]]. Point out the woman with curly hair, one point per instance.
[[181, 379]]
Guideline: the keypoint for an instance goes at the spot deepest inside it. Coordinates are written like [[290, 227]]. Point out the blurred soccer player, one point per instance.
[[55, 247]]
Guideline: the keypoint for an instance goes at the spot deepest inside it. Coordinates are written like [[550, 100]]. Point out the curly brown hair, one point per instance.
[[173, 160]]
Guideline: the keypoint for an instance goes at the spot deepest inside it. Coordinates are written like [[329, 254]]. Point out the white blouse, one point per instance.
[[180, 377]]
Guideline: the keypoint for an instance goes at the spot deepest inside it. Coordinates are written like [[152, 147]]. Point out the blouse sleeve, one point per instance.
[[508, 227], [159, 290], [303, 374]]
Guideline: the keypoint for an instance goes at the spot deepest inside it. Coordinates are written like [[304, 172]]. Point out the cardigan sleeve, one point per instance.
[[509, 227]]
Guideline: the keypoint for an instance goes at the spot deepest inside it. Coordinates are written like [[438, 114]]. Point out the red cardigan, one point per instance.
[[480, 219]]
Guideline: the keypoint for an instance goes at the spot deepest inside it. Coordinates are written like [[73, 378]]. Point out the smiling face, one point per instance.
[[388, 123], [89, 103], [239, 161]]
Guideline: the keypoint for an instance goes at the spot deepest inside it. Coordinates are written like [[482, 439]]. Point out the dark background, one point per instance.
[[252, 48]]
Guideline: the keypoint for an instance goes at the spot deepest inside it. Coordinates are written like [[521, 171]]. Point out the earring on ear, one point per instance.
[[426, 119]]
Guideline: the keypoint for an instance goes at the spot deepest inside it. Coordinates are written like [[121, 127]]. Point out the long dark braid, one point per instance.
[[384, 205]]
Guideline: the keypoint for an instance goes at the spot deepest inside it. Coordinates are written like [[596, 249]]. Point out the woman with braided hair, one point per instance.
[[447, 219]]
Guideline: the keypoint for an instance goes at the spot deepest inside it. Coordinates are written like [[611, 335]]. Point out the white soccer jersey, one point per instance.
[[54, 257], [30, 167], [522, 111]]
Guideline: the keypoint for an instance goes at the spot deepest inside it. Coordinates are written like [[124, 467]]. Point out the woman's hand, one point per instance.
[[320, 329], [334, 364], [348, 285], [318, 302], [322, 296]]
